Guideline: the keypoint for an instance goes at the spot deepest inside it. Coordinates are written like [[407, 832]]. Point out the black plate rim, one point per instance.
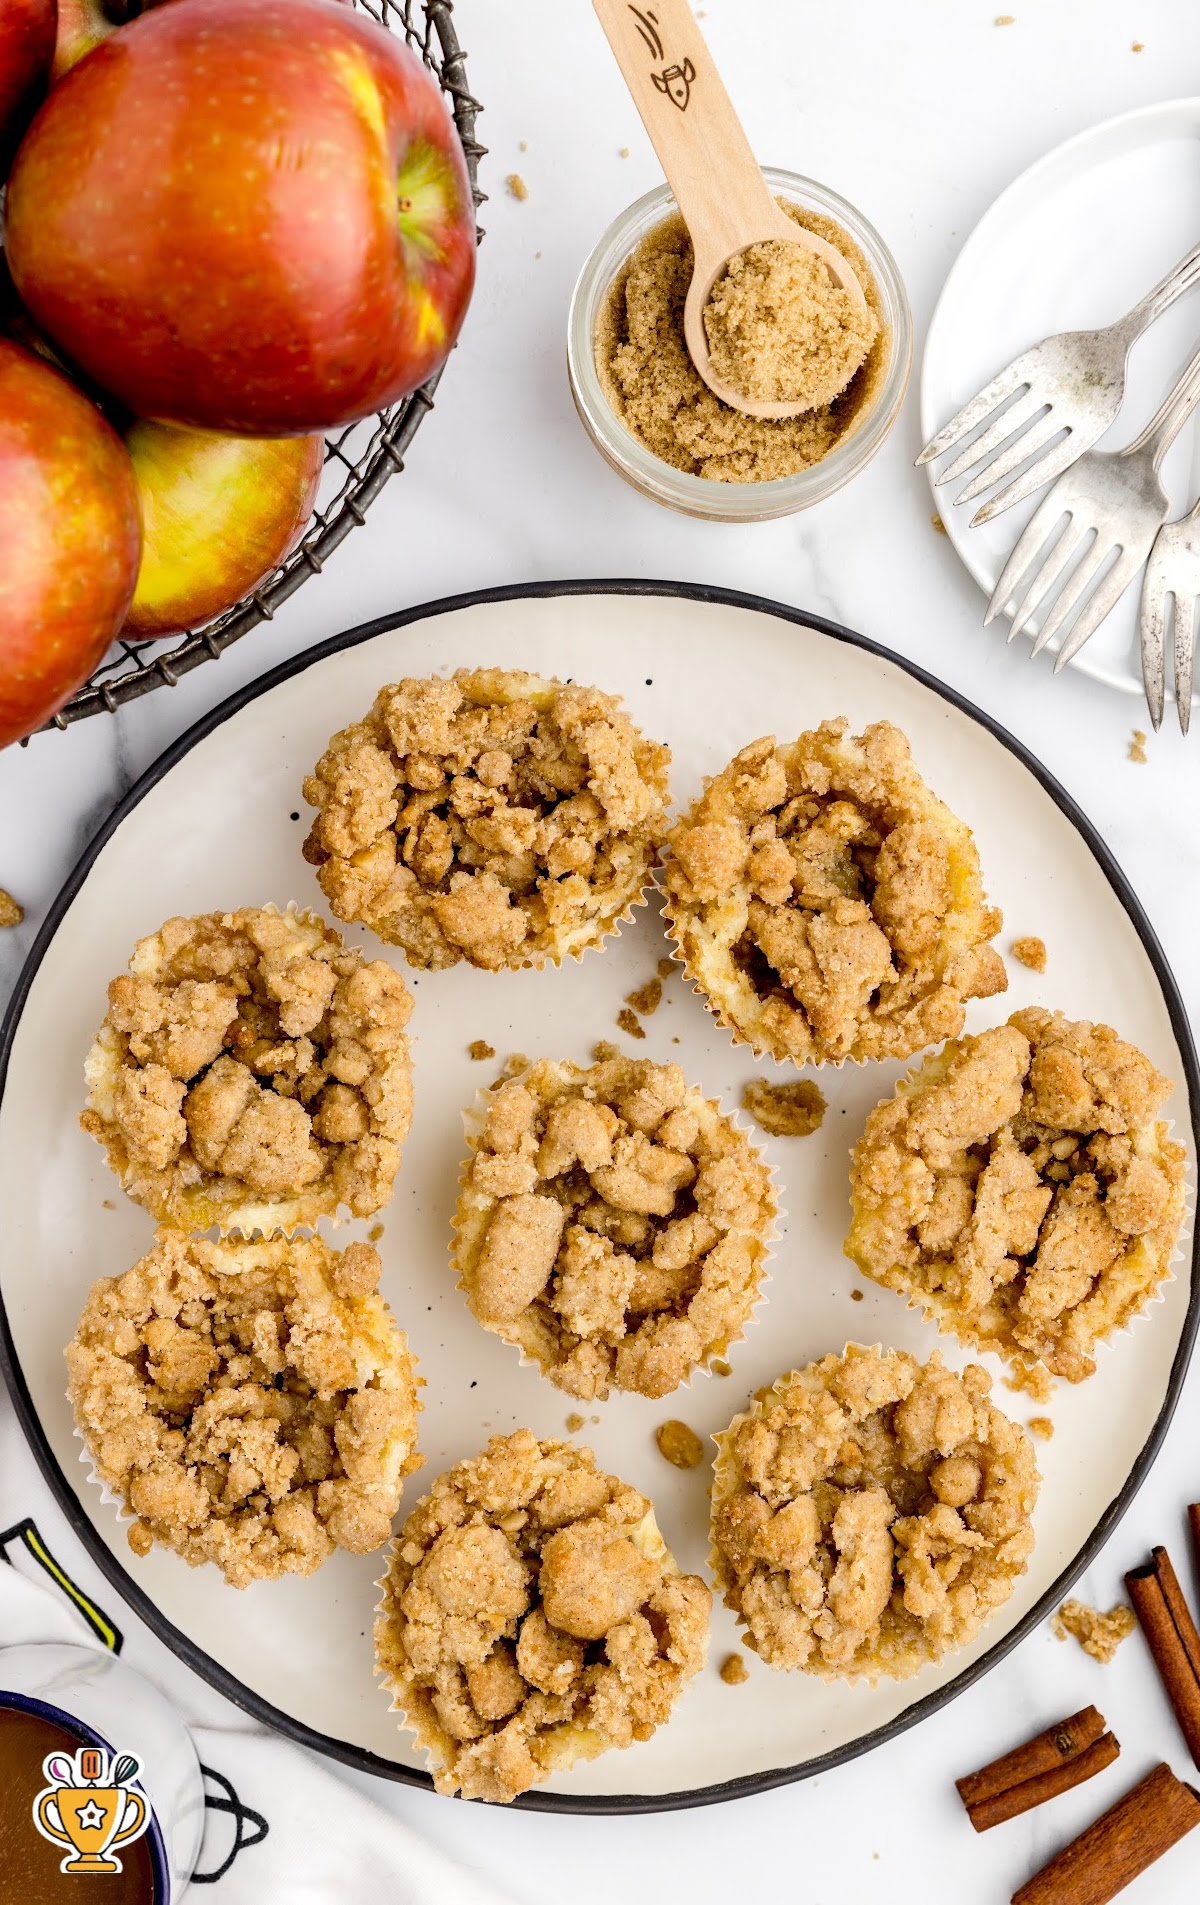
[[361, 1758]]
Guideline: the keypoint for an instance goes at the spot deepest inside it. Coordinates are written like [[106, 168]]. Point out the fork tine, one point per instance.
[[1152, 634], [1045, 470], [1049, 575], [1104, 598], [1072, 592], [1030, 541], [973, 413], [1018, 416], [1039, 433], [1185, 642]]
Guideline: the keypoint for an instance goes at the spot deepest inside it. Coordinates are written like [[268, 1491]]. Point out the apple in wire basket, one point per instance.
[[26, 45], [218, 514], [250, 216], [70, 538]]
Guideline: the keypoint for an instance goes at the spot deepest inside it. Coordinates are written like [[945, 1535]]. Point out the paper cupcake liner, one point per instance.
[[475, 1117], [192, 1208]]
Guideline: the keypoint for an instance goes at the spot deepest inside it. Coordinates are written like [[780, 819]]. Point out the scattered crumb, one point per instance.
[[517, 186], [537, 254], [604, 1050], [594, 1418], [375, 1233], [11, 911], [1031, 952], [1137, 747], [629, 1023], [1042, 1425], [647, 998], [480, 1049], [734, 1670], [106, 1203], [720, 1367], [939, 525], [523, 146], [856, 1296], [575, 1422], [667, 968], [679, 1445], [1005, 19], [786, 1111], [623, 151], [1139, 46], [1098, 1634], [1033, 1379]]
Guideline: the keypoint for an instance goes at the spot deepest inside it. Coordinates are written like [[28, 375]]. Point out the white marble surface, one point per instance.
[[920, 111]]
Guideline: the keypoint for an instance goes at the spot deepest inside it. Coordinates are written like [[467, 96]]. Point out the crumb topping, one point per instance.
[[1020, 1188], [532, 1616], [494, 817], [870, 1513], [612, 1223], [1031, 952], [780, 330], [479, 1049], [653, 387], [252, 1404], [734, 1671], [679, 1445], [252, 1069], [11, 911], [1098, 1634], [630, 1024], [1042, 1427], [646, 999], [786, 1111], [827, 903]]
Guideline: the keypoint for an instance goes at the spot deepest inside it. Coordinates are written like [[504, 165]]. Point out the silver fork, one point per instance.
[[1173, 570], [1115, 494], [1073, 382]]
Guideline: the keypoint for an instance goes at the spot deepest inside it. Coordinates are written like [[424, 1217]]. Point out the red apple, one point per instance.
[[70, 539], [247, 215], [26, 44], [82, 24], [218, 514]]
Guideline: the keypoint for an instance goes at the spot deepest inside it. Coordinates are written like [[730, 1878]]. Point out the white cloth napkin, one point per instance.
[[366, 1854]]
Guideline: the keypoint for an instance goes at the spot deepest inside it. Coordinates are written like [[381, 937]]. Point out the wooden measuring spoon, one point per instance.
[[718, 186]]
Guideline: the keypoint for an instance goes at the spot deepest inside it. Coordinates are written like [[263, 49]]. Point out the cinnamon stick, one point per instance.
[[1172, 1639], [1117, 1846], [1050, 1763], [1194, 1525]]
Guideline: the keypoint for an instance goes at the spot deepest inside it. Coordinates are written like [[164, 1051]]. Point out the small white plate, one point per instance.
[[218, 822], [1071, 245]]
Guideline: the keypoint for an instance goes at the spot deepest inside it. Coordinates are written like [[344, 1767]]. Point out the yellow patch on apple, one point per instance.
[[219, 513]]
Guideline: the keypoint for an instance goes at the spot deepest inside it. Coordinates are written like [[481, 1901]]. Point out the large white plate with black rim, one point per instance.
[[1041, 260], [218, 823]]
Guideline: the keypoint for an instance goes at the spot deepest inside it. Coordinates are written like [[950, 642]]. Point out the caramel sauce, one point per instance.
[[29, 1864]]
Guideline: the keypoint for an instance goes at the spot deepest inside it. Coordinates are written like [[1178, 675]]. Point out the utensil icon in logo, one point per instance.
[[88, 1817]]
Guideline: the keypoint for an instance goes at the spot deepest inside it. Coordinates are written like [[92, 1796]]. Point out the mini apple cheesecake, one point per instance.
[[1020, 1187], [252, 1070], [870, 1513], [251, 1404], [533, 1616], [827, 904], [494, 816], [613, 1223]]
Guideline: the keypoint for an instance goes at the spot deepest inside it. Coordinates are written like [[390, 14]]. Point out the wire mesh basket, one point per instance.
[[358, 460]]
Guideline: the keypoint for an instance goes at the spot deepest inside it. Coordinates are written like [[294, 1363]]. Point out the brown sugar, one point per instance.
[[11, 911], [533, 1616], [1031, 952], [656, 391], [480, 1049], [780, 330], [1020, 1187], [679, 1445], [1098, 1634], [786, 1111], [870, 1513], [612, 1224], [734, 1671], [253, 1404]]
